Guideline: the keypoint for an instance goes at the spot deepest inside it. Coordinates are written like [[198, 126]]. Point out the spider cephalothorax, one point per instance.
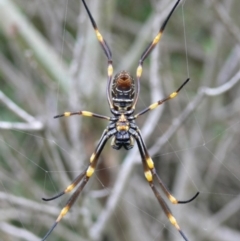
[[123, 90], [122, 99]]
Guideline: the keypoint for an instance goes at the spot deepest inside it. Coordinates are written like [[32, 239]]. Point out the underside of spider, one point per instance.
[[122, 96]]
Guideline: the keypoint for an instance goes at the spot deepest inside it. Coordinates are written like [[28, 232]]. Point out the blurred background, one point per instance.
[[51, 62]]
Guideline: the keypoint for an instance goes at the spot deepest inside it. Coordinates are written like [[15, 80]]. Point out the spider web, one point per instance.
[[192, 139]]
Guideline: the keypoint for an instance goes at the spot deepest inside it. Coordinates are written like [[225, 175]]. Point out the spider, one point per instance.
[[122, 97]]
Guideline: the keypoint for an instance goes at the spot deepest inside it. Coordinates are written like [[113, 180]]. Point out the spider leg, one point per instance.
[[167, 210], [151, 46], [84, 177], [156, 104], [82, 113], [148, 50], [69, 188], [171, 198], [148, 160], [106, 50], [150, 172], [68, 205], [100, 38]]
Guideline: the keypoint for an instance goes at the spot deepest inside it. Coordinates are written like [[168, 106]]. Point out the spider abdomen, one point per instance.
[[123, 90]]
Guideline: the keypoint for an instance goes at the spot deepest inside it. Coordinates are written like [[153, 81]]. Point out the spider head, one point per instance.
[[123, 90]]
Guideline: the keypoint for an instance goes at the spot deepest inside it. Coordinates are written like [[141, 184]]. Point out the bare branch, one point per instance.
[[32, 124], [15, 25]]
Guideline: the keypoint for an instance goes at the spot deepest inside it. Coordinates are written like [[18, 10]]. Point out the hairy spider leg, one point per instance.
[[84, 177], [69, 187], [107, 52], [156, 104], [150, 172], [148, 50], [150, 163], [83, 113]]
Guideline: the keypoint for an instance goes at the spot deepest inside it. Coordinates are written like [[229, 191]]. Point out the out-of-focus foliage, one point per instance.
[[51, 62]]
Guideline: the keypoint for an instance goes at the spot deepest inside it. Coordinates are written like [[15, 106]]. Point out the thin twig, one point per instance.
[[14, 24], [18, 232], [32, 124]]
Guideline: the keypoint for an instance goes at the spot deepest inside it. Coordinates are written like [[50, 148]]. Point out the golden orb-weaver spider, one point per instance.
[[122, 99]]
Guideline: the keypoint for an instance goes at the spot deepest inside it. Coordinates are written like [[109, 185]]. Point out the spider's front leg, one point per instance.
[[150, 173], [80, 181]]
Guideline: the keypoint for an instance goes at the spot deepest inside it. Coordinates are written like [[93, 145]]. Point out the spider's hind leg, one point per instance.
[[150, 172], [171, 198], [79, 182], [167, 210], [69, 188]]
